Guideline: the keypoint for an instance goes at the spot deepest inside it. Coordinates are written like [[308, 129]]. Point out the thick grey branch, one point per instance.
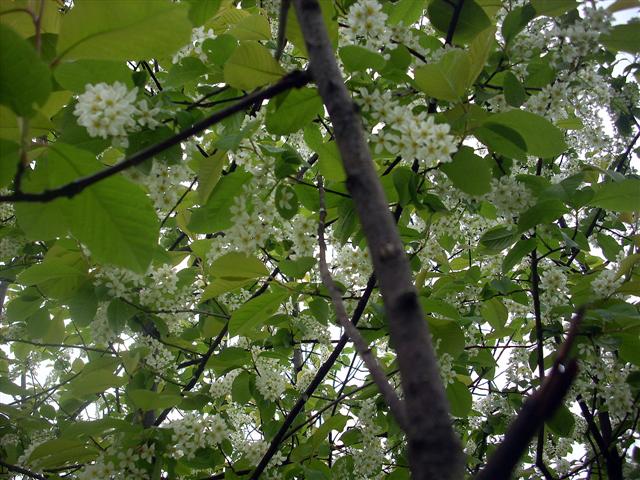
[[433, 449]]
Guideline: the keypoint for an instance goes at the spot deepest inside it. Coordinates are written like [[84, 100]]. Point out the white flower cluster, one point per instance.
[[518, 369], [8, 440], [302, 232], [120, 282], [606, 283], [100, 329], [367, 21], [164, 183], [10, 248], [6, 209], [352, 265], [193, 432], [407, 135], [159, 357], [251, 221], [554, 285], [111, 111], [509, 196], [128, 464], [447, 373], [194, 47], [367, 461], [310, 329], [221, 387], [603, 374], [270, 381]]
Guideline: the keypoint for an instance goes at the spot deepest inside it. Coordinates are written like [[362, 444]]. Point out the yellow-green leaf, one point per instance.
[[251, 65]]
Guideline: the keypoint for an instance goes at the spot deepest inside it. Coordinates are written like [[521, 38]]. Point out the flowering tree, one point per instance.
[[319, 239]]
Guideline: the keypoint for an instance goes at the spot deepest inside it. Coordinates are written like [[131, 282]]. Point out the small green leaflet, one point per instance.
[[148, 400], [249, 317], [25, 79], [113, 217], [468, 172], [238, 266], [541, 137], [460, 399], [251, 65], [448, 79], [116, 30], [296, 109], [623, 196]]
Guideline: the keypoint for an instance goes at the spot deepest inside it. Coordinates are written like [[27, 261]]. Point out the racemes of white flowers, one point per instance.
[[111, 111], [193, 432]]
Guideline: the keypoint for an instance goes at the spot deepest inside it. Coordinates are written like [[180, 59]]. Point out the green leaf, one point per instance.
[[297, 268], [188, 71], [116, 30], [9, 158], [448, 79], [202, 10], [540, 136], [514, 92], [55, 276], [545, 211], [623, 196], [297, 109], [562, 422], [113, 218], [240, 389], [251, 65], [229, 359], [330, 163], [238, 266], [95, 428], [494, 312], [468, 172], [479, 50], [219, 286], [503, 140], [76, 75], [519, 250], [95, 382], [214, 215], [516, 20], [25, 79], [406, 12], [248, 319], [460, 399], [553, 8], [209, 173], [623, 38], [358, 59], [148, 400], [252, 27], [448, 334], [498, 238], [58, 452], [470, 22]]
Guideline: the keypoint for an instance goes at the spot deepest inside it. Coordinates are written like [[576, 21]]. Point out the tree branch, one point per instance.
[[433, 449], [23, 471], [362, 347], [538, 408], [321, 373], [294, 79]]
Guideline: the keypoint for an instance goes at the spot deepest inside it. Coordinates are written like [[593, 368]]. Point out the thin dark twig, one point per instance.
[[294, 79], [362, 347]]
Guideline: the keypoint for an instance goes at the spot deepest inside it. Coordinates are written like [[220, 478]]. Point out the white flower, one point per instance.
[[106, 110]]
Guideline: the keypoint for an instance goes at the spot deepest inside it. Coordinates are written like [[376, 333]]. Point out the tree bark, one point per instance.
[[433, 448]]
